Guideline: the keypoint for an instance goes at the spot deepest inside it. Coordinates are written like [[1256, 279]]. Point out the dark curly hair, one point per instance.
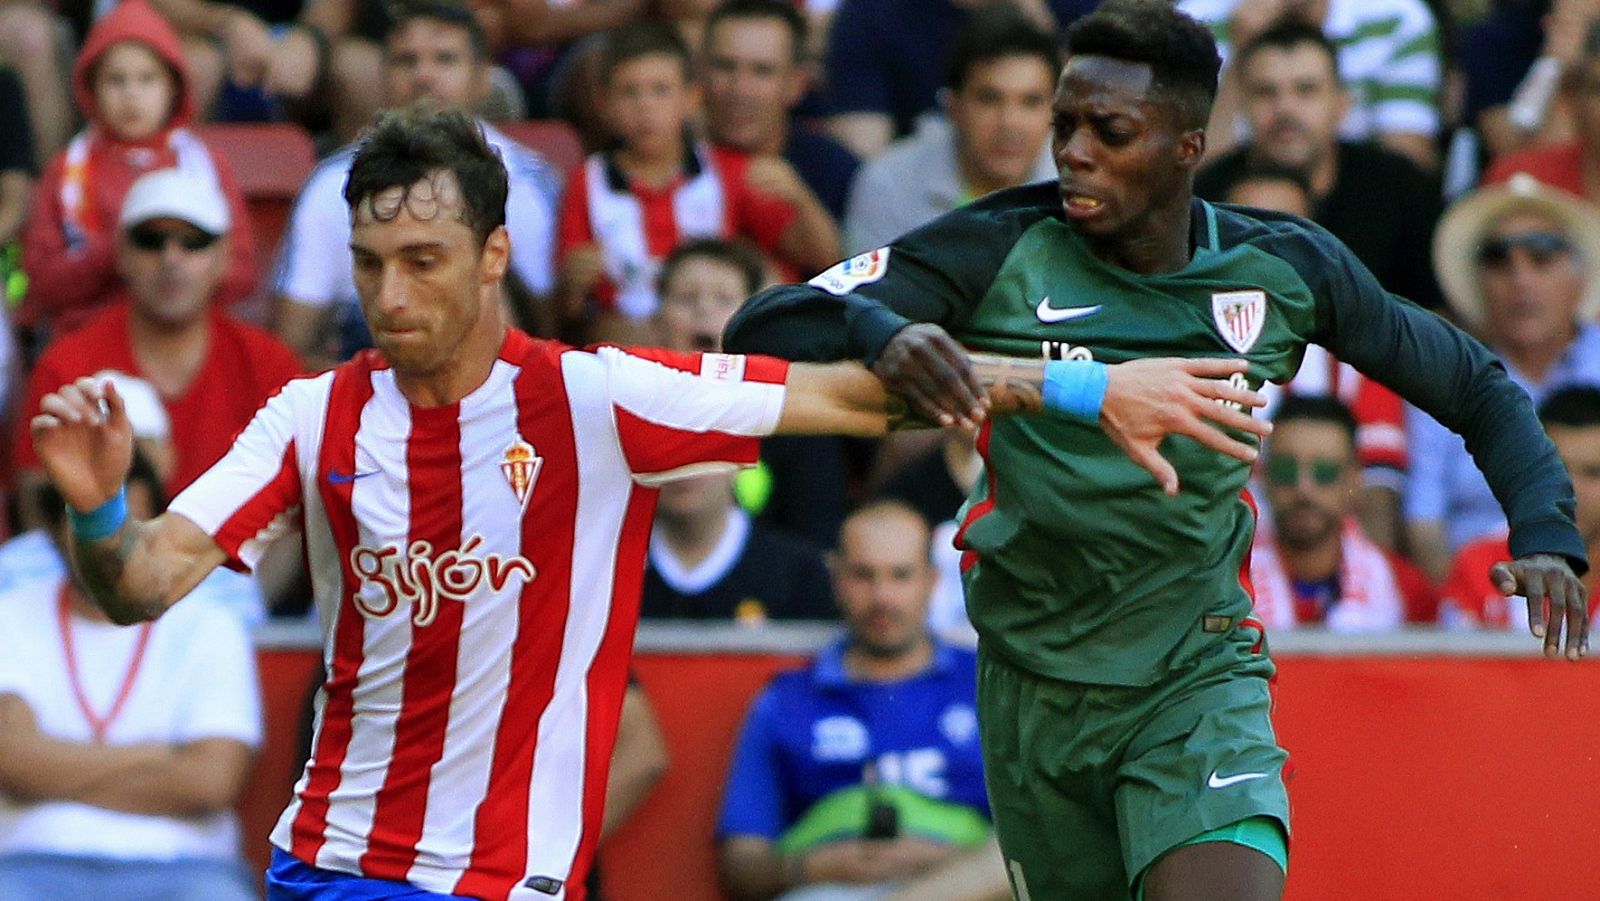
[[1180, 52], [409, 145]]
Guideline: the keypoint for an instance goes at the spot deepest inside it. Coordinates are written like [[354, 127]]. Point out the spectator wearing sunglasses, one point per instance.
[[1315, 566], [1517, 262], [210, 370]]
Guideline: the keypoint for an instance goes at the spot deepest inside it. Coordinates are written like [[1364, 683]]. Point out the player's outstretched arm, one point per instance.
[[1540, 576], [134, 570], [1138, 403]]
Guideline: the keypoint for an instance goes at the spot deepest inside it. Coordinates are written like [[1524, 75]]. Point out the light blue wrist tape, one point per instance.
[[1075, 387], [102, 521]]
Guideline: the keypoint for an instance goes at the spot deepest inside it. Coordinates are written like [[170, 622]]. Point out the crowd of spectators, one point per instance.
[[1454, 145]]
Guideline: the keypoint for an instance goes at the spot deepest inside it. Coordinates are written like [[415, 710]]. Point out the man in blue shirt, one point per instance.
[[860, 776]]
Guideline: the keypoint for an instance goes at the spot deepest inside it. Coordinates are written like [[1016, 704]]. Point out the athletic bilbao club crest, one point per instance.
[[521, 468], [1239, 316]]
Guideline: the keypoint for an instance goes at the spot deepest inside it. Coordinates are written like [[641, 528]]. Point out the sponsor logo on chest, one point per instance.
[[418, 577]]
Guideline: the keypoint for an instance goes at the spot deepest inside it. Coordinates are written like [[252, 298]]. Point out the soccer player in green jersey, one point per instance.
[[1123, 682]]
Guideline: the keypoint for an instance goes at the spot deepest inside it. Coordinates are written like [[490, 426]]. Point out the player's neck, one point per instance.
[[864, 666], [1312, 564], [467, 370], [1160, 244], [691, 539]]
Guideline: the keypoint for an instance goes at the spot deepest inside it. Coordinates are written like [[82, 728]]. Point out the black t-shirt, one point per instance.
[[774, 576], [16, 140], [806, 499], [826, 166], [925, 484], [1382, 207]]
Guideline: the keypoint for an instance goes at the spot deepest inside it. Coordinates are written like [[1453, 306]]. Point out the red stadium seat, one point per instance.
[[271, 162], [554, 139]]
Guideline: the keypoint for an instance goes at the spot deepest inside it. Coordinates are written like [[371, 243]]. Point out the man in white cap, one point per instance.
[[210, 370], [1517, 263]]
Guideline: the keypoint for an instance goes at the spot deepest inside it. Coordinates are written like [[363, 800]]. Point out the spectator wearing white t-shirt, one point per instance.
[[435, 53], [122, 750]]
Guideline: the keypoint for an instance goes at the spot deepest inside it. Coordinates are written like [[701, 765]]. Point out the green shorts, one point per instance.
[[1089, 784]]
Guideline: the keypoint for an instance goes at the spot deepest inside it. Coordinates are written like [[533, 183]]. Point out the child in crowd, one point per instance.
[[131, 84], [625, 210]]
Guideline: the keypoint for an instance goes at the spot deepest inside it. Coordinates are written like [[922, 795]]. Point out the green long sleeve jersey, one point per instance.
[[1078, 567]]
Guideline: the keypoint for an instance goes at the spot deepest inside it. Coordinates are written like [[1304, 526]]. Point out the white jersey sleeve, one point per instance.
[[680, 414], [253, 495]]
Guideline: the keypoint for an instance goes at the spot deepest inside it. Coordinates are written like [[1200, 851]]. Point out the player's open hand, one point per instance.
[[1554, 595], [926, 366], [83, 438], [1147, 400]]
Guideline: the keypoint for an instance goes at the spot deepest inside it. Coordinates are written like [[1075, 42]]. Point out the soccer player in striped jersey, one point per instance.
[[475, 506]]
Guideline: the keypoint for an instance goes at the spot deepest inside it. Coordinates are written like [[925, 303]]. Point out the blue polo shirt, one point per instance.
[[813, 731]]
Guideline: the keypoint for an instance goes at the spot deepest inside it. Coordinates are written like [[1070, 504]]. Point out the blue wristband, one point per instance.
[[102, 521], [1075, 387]]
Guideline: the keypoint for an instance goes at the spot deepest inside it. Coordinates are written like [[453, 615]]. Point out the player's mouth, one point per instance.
[[1081, 206]]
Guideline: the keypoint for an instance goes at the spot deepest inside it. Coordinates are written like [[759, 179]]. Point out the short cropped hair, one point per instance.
[[445, 12], [1181, 53], [736, 255], [1576, 407], [1316, 408], [1266, 170], [1287, 34], [409, 145], [775, 10], [994, 33], [631, 42]]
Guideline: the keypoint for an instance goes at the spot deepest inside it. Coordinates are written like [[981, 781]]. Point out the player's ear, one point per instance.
[[1191, 148], [496, 256]]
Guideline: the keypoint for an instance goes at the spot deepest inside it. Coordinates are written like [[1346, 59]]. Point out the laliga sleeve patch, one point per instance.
[[854, 272], [722, 367]]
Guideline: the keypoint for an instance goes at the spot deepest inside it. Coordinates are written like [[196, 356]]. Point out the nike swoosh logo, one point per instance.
[[1224, 781], [335, 477], [1048, 313]]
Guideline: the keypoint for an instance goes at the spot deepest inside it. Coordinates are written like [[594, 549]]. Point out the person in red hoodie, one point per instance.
[[132, 86]]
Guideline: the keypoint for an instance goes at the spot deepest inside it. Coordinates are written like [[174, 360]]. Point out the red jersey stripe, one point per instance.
[[500, 831], [433, 466], [250, 519]]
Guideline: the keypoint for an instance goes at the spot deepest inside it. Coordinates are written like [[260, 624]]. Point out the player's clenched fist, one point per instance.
[[84, 440]]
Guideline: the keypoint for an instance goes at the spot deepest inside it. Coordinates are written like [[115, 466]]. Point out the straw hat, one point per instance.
[[1461, 232]]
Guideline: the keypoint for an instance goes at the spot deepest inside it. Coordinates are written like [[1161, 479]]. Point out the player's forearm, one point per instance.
[[140, 570], [846, 398]]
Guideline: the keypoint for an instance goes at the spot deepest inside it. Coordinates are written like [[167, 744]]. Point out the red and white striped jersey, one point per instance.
[[477, 570], [1381, 443]]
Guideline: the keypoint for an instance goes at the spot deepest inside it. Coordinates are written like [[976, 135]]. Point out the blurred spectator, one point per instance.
[[859, 776], [936, 484], [33, 555], [32, 41], [1571, 417], [1375, 200], [709, 560], [887, 59], [122, 750], [638, 761], [211, 370], [132, 84], [798, 485], [434, 53], [753, 69], [624, 211], [1315, 565], [1380, 415], [1388, 57], [330, 61], [1517, 262], [997, 97], [1497, 54], [1572, 166]]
